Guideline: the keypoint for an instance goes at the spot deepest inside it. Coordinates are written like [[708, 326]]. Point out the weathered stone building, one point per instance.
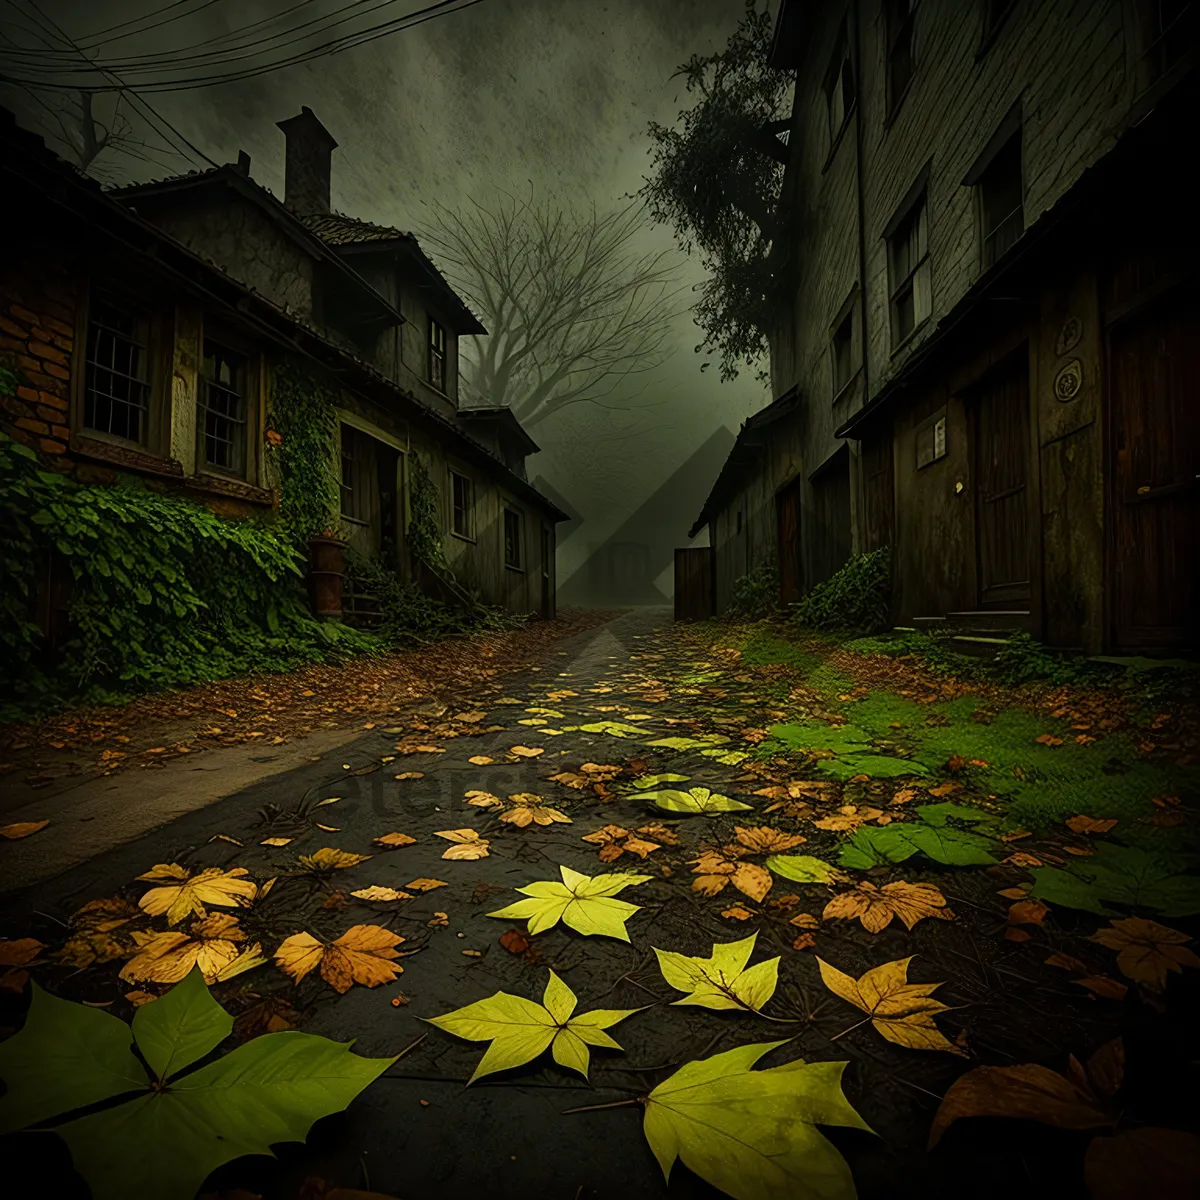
[[151, 327], [994, 332]]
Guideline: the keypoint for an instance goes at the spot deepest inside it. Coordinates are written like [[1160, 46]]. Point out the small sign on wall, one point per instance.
[[931, 439]]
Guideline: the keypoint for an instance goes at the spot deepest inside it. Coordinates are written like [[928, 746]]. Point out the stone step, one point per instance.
[[978, 646], [989, 621]]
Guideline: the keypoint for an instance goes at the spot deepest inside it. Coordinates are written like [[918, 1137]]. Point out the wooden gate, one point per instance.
[[1000, 413], [1154, 479], [694, 584], [787, 526]]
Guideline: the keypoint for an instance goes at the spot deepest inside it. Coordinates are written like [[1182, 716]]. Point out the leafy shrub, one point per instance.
[[858, 597], [164, 592], [756, 594]]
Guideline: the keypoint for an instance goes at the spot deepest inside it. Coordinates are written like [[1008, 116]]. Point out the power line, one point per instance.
[[148, 112], [336, 46], [100, 36]]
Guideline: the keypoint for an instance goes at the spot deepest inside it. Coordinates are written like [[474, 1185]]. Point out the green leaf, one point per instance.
[[721, 981], [694, 800], [753, 1134], [1126, 875], [66, 1056], [876, 845], [729, 758], [645, 782], [182, 1027], [803, 868], [582, 902], [521, 1030], [164, 1142], [688, 743], [939, 814], [877, 766]]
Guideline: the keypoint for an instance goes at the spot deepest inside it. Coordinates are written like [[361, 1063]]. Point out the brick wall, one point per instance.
[[37, 336]]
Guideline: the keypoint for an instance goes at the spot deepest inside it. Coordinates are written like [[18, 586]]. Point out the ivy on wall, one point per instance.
[[301, 411], [424, 530], [163, 592]]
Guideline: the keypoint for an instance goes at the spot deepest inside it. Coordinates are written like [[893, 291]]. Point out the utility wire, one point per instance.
[[100, 36], [346, 42]]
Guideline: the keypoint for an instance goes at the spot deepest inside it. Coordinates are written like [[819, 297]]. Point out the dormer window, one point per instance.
[[437, 355]]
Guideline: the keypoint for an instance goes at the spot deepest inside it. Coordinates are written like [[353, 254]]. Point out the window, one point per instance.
[[512, 539], [909, 272], [463, 504], [116, 396], [841, 351], [437, 355], [222, 409], [357, 459], [1001, 212], [931, 439], [900, 61], [839, 87]]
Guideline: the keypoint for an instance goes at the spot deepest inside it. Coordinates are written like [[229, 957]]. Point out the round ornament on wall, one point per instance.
[[1068, 381]]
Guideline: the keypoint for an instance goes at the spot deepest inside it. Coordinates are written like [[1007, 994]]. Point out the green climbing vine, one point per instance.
[[424, 530], [302, 414], [163, 592]]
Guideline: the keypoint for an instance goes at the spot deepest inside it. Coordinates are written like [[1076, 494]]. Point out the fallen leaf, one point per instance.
[[804, 941], [439, 918], [723, 980], [520, 1030], [1146, 950], [738, 912], [1027, 912], [361, 955], [584, 903], [1014, 893], [275, 841], [1102, 985], [410, 775], [763, 839], [394, 839], [805, 920], [425, 885], [528, 809], [1028, 1092], [875, 907], [213, 944], [376, 892], [480, 760], [752, 1134], [468, 845], [483, 799], [1081, 824], [21, 829], [1048, 739], [329, 859], [191, 893], [849, 817], [1065, 961], [19, 952], [902, 1012], [694, 800], [515, 942], [527, 751]]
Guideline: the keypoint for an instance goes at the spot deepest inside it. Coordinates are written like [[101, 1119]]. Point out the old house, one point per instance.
[[158, 329], [993, 331]]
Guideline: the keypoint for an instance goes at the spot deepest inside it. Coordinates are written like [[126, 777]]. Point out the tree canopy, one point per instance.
[[716, 178]]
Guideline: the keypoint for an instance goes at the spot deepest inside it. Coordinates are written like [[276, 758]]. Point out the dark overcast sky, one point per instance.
[[557, 92]]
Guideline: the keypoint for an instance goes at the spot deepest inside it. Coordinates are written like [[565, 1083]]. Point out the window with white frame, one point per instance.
[[909, 271], [116, 387]]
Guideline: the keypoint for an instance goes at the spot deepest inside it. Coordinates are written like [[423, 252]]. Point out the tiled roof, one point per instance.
[[339, 230]]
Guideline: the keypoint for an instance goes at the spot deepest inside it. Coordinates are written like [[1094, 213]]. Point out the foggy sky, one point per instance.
[[507, 94]]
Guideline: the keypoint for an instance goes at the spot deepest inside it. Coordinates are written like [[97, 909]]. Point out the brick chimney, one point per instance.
[[306, 171]]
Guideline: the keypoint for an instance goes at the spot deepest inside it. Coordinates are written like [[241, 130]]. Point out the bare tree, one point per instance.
[[574, 311]]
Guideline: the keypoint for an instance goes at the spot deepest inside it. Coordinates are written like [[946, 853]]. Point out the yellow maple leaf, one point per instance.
[[213, 944], [380, 893], [849, 817], [902, 1012], [762, 839], [483, 799], [425, 885], [361, 955], [527, 751], [1146, 950], [329, 859], [394, 839], [714, 869], [876, 906], [468, 845], [528, 809], [190, 894]]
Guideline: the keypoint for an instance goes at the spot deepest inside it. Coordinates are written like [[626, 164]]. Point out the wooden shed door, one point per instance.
[[694, 584], [1154, 476], [1001, 436], [787, 524]]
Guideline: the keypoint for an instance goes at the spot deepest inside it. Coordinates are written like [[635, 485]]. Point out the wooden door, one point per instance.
[[1154, 469], [787, 525], [1000, 413], [829, 524], [694, 584], [547, 572]]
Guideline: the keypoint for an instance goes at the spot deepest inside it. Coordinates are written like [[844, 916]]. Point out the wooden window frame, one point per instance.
[[437, 357], [896, 28], [345, 487], [252, 432], [517, 563], [151, 451], [843, 326], [467, 533], [915, 211], [841, 70]]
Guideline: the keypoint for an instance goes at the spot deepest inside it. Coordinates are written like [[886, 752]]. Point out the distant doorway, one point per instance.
[[1000, 429]]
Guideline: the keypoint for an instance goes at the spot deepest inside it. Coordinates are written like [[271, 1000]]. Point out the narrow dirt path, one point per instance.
[[1006, 840]]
